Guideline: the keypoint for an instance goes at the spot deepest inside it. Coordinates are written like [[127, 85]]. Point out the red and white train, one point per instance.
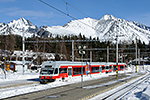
[[52, 70]]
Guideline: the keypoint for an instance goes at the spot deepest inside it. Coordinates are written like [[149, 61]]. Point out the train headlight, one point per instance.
[[50, 77]]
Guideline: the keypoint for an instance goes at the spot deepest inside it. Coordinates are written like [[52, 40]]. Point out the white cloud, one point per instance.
[[1, 10], [7, 0], [32, 13]]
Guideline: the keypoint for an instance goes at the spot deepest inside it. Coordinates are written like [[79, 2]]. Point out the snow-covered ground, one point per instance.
[[136, 93], [141, 92]]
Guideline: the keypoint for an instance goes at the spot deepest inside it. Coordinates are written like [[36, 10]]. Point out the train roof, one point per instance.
[[58, 63]]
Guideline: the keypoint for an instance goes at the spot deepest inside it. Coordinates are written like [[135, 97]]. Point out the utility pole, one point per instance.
[[5, 62], [23, 49], [90, 56], [116, 56], [136, 55], [136, 51], [107, 53], [139, 56], [116, 50], [72, 50]]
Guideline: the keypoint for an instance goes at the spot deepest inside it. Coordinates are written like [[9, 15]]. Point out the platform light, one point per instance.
[[81, 52], [79, 47]]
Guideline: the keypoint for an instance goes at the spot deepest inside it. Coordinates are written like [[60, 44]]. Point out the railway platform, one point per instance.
[[75, 92]]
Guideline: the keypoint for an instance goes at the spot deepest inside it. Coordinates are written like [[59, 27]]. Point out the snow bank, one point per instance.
[[1, 71], [146, 93]]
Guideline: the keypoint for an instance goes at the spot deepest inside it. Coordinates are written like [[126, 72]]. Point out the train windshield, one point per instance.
[[47, 71]]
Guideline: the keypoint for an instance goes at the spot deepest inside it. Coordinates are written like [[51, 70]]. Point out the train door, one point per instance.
[[100, 69], [103, 68], [114, 68], [69, 71]]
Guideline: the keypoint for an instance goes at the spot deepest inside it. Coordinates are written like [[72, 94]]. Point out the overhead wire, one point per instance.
[[75, 8], [67, 8], [55, 8], [66, 14]]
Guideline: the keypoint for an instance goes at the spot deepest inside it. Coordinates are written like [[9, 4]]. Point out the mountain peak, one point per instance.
[[16, 26], [107, 16]]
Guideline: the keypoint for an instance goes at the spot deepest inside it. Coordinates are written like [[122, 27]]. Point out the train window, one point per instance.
[[103, 68], [65, 70], [121, 67], [114, 67], [77, 70], [50, 71], [43, 72], [107, 67], [46, 71], [56, 71], [95, 69], [62, 70]]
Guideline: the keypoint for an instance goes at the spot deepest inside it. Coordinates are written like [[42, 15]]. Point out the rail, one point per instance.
[[118, 91]]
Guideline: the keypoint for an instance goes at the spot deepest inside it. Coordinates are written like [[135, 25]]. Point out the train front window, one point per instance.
[[43, 72], [47, 71]]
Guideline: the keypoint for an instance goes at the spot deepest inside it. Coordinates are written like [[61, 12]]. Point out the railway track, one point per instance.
[[70, 91], [118, 91], [55, 94], [16, 85]]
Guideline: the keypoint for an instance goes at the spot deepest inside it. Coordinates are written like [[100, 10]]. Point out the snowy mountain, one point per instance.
[[16, 27], [126, 30], [83, 26], [106, 28]]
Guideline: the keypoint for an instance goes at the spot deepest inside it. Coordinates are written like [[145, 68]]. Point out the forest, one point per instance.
[[14, 42]]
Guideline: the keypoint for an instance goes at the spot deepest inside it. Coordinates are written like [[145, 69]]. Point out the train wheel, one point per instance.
[[41, 82], [63, 79], [52, 80]]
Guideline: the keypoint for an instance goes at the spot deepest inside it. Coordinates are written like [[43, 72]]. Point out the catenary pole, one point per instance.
[[116, 51], [72, 50], [23, 49]]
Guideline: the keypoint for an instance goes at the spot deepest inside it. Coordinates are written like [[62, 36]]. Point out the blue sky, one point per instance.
[[40, 14]]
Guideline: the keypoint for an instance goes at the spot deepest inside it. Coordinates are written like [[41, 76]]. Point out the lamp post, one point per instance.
[[124, 57], [81, 53], [4, 58], [101, 59]]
